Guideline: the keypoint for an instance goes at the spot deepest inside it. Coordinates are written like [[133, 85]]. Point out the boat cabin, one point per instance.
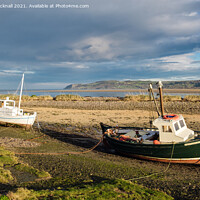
[[173, 129], [7, 107]]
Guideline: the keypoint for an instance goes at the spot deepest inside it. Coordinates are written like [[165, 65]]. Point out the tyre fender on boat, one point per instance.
[[171, 116]]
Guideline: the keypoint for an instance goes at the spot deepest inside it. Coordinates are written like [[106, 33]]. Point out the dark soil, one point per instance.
[[181, 181]]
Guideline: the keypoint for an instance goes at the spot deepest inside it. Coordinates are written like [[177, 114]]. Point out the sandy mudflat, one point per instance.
[[94, 117], [74, 126]]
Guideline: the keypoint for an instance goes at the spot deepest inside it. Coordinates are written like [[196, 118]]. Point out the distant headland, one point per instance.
[[127, 85]]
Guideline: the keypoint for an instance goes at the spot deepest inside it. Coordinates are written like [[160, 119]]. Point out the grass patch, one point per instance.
[[17, 132], [21, 194], [7, 157], [11, 96], [32, 170], [5, 175], [136, 98], [8, 160], [27, 97], [4, 197], [171, 98], [41, 98], [107, 189], [192, 98], [68, 97]]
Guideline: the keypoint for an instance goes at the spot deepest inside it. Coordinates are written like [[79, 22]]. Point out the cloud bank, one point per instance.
[[139, 39]]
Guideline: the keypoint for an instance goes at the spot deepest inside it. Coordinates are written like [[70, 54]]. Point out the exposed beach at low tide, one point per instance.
[[74, 126]]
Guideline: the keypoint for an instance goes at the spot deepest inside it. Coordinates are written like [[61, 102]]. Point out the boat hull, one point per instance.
[[184, 152], [25, 120]]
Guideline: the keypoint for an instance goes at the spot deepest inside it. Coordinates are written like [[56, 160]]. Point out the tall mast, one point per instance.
[[20, 97], [152, 94], [161, 98]]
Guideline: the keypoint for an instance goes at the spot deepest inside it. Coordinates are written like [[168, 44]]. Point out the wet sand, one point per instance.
[[94, 117], [113, 113]]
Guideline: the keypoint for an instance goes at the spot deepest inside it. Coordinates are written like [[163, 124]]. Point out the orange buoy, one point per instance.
[[171, 116], [156, 142]]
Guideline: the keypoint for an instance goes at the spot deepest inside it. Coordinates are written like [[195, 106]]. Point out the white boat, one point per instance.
[[10, 114]]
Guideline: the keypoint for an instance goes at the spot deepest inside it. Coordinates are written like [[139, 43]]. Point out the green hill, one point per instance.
[[112, 84]]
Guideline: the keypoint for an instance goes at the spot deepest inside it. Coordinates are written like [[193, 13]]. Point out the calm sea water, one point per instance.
[[92, 94]]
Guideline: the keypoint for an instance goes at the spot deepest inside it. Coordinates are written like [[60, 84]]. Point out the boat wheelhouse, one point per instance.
[[172, 128]]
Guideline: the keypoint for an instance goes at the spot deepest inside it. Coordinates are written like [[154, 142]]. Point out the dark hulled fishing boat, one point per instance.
[[169, 141]]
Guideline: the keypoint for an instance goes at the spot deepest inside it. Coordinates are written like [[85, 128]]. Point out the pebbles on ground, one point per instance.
[[16, 142]]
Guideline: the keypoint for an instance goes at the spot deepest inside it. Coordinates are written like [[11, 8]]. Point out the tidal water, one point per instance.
[[54, 93]]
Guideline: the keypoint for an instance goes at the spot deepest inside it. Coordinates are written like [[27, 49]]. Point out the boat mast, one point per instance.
[[161, 98], [20, 97], [152, 94]]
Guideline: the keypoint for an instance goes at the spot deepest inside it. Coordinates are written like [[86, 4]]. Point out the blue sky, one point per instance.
[[108, 40]]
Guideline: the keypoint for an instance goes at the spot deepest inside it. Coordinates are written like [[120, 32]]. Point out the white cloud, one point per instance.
[[81, 67], [63, 64], [70, 65], [192, 14], [172, 78], [94, 48], [182, 62], [12, 72], [176, 24]]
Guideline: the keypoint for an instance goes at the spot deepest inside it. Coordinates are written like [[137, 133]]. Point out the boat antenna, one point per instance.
[[20, 96], [154, 100], [161, 98]]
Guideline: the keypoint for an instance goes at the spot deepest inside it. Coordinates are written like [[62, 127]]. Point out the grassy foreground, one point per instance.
[[110, 189], [78, 186], [107, 189]]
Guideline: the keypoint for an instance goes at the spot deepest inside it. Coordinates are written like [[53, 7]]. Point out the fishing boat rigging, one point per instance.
[[11, 114]]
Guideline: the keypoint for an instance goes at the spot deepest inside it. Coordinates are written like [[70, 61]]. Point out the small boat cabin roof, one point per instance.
[[173, 129]]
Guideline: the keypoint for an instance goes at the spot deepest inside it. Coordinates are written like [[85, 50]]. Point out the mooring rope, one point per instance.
[[87, 151], [53, 153], [62, 153], [39, 130], [156, 173], [7, 128]]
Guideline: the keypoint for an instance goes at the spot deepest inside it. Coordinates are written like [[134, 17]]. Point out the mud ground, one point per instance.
[[68, 128]]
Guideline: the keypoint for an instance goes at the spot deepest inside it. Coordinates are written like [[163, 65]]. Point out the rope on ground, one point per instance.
[[39, 130], [36, 137], [62, 153], [157, 173], [7, 128]]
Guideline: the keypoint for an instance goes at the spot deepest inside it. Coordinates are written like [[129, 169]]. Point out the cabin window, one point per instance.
[[10, 103], [182, 124], [166, 129], [176, 126]]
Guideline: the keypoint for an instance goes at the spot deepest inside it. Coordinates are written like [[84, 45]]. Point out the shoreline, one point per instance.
[[121, 90], [112, 90]]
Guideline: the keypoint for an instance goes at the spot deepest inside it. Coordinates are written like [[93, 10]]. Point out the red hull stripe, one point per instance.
[[185, 160]]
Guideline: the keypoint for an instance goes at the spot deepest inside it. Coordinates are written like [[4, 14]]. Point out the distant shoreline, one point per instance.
[[121, 90]]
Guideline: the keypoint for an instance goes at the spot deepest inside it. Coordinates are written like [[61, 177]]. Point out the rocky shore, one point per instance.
[[170, 107]]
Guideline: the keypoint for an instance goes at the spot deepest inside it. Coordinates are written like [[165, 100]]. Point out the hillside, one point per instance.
[[112, 84]]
